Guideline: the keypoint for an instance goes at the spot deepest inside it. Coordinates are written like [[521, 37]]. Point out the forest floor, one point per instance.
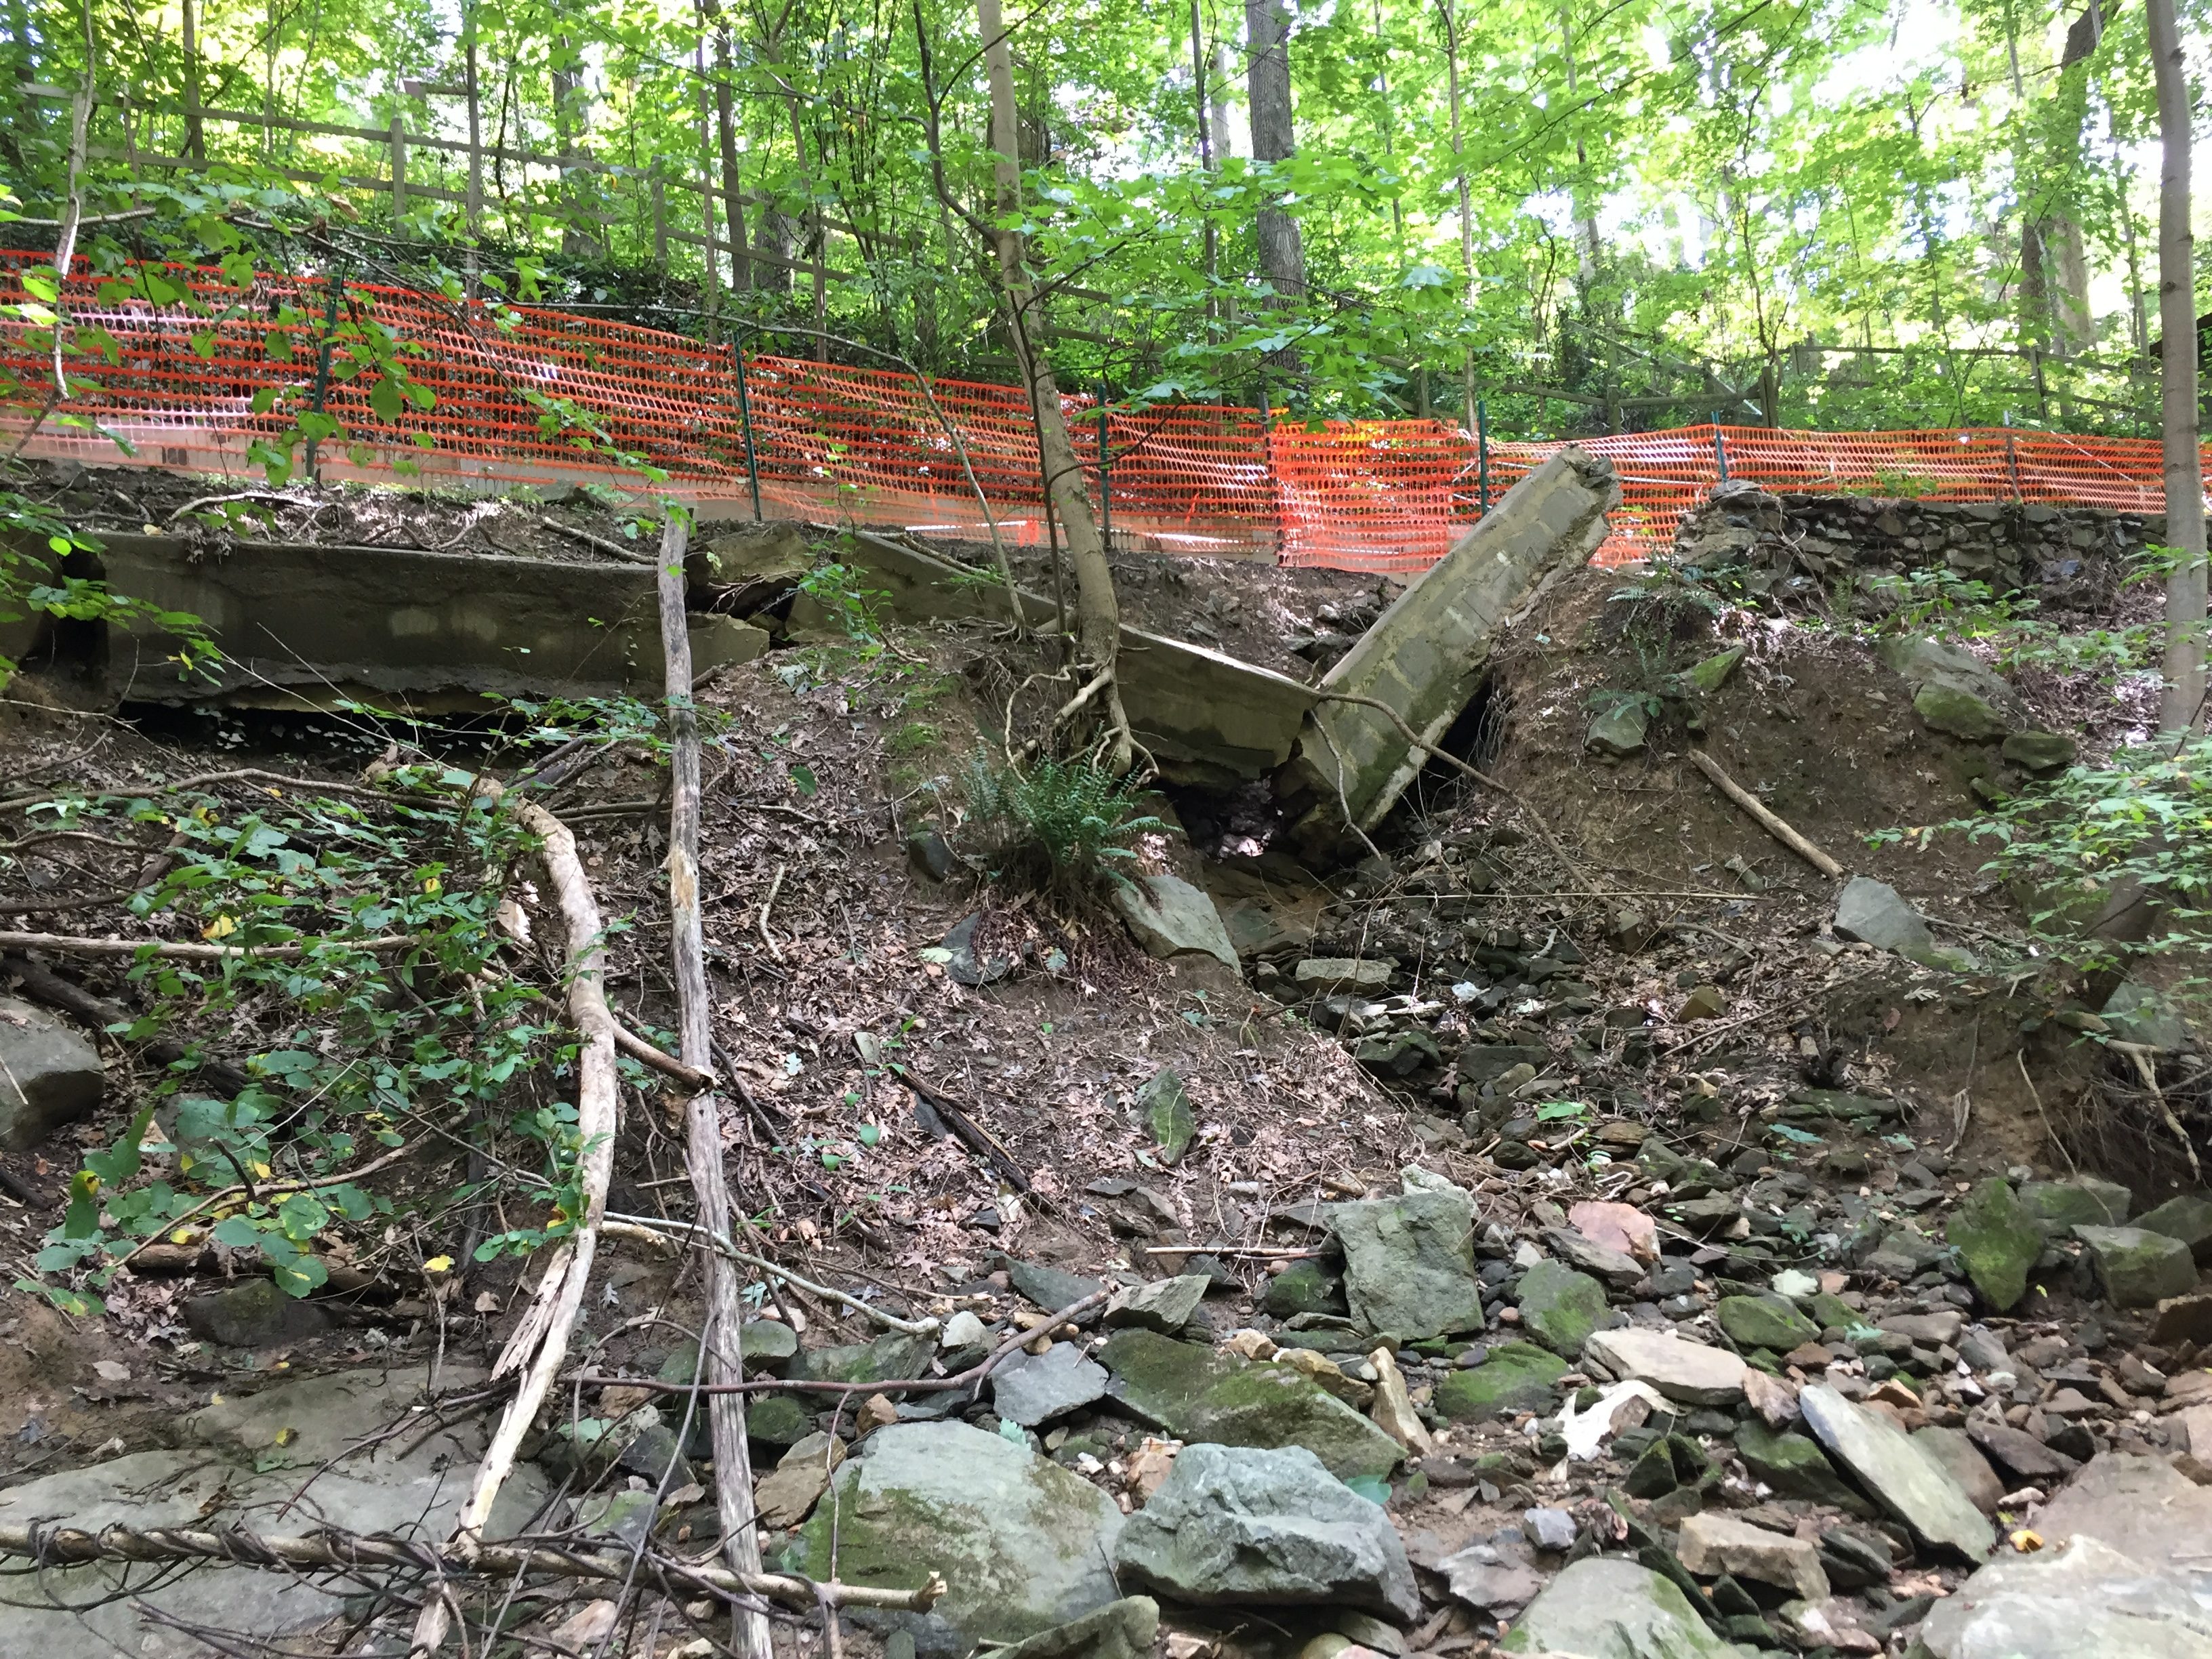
[[1598, 1007]]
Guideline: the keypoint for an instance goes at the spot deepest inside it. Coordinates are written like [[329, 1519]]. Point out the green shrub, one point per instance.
[[1060, 826]]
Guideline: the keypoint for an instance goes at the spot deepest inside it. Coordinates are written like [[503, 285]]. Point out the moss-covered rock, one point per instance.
[[1793, 1465], [1560, 1307], [1303, 1287], [1997, 1240], [1764, 1322], [1199, 1394], [1409, 1263], [2139, 1268], [1024, 1544], [890, 1355], [1518, 1377]]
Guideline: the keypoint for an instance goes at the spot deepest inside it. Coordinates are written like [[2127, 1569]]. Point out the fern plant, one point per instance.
[[1060, 826]]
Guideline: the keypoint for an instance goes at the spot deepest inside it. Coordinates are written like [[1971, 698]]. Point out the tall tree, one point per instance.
[[1098, 613], [1267, 35], [2183, 703]]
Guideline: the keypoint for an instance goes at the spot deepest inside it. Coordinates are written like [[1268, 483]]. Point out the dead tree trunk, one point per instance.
[[719, 1353], [1098, 613], [2183, 704], [1266, 27]]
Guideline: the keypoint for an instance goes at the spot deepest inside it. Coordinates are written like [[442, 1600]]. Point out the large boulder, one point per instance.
[[2082, 1200], [1238, 1526], [1023, 1545], [1997, 1239], [2144, 1508], [2083, 1598], [1954, 691], [1170, 918], [1606, 1607], [1409, 1263], [2137, 1268], [1203, 1395], [1899, 1476], [50, 1076], [2187, 1218]]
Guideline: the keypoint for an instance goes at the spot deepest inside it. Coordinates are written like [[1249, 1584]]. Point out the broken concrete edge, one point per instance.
[[310, 625], [1424, 656], [1204, 717]]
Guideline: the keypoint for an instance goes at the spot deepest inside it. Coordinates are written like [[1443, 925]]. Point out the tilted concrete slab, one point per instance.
[[305, 625], [1425, 655], [1206, 718]]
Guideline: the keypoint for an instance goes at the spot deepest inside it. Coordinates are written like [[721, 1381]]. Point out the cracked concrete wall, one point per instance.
[[1425, 655]]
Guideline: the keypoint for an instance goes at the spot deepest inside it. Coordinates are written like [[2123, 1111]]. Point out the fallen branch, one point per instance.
[[2145, 1058], [675, 1232], [721, 1358], [769, 904], [968, 1379], [63, 1546], [540, 1341], [43, 985], [72, 944], [972, 1134], [1758, 814], [198, 502], [600, 541], [662, 1061]]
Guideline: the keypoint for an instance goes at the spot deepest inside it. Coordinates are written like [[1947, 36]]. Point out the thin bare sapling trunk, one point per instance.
[[2183, 704]]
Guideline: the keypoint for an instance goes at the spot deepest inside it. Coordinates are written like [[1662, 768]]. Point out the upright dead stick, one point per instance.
[[540, 1343], [1756, 809], [702, 1153]]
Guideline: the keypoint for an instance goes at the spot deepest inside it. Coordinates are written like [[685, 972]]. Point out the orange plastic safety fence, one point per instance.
[[543, 397]]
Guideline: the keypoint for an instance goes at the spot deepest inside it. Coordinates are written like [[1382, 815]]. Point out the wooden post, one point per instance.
[[398, 172]]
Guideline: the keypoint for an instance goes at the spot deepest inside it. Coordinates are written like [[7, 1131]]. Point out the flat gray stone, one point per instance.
[[1170, 918], [52, 1077], [1901, 1476], [1687, 1372], [1024, 1544], [2137, 1268], [2143, 1507], [1712, 1544], [2079, 1599], [1604, 1606], [1165, 1305], [1874, 912], [1486, 1579], [1235, 1525], [1119, 1630], [1034, 1390], [1326, 975], [1409, 1263]]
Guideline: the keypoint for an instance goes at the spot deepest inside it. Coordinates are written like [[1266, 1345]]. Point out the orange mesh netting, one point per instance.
[[543, 397]]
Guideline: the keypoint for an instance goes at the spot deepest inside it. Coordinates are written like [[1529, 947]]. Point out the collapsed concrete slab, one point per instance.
[[1423, 657], [1206, 718], [309, 626]]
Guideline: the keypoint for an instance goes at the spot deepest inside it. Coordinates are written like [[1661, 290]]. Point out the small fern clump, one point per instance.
[[1060, 826]]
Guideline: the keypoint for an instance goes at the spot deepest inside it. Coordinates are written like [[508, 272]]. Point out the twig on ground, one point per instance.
[[768, 905], [678, 1231], [1759, 813], [970, 1133], [193, 950], [2036, 1094], [662, 1061], [64, 1546], [600, 541]]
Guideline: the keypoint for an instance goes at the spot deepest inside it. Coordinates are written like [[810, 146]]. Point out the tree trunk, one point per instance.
[[1098, 613], [2183, 703], [572, 125], [1466, 201], [1266, 26], [725, 122], [195, 136]]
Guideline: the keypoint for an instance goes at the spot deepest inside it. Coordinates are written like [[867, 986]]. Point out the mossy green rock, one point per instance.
[[777, 1419], [2187, 1218], [1794, 1465], [1023, 1545], [2059, 1206], [1764, 1322], [767, 1347], [1560, 1307], [1518, 1377], [1955, 709], [1713, 673], [1199, 1394], [1409, 1263], [1827, 1310], [2040, 753], [1303, 1287], [1166, 1112], [2139, 1268], [1604, 1606], [1997, 1240], [890, 1355]]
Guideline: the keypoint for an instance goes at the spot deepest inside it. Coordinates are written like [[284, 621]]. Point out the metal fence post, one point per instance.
[[1105, 477], [398, 172], [1482, 455], [745, 413], [322, 368], [1720, 447]]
